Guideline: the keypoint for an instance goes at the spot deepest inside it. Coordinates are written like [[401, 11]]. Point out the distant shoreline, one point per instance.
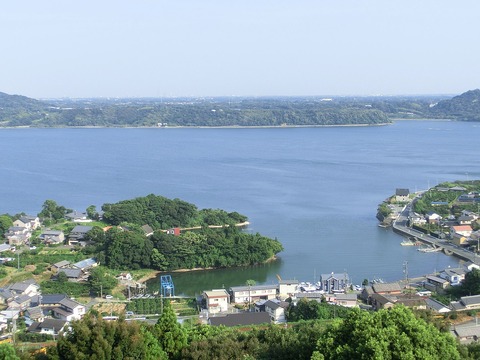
[[198, 126]]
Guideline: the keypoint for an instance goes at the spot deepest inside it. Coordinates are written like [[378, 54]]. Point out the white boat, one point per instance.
[[429, 249]]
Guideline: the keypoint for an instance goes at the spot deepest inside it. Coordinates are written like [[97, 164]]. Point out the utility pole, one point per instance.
[[405, 271]]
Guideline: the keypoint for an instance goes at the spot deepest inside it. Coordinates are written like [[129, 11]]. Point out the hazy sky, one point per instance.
[[150, 48]]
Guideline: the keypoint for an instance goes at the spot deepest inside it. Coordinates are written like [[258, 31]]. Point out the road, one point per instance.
[[400, 226]]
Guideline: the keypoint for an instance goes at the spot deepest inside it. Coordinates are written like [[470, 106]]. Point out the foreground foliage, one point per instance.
[[386, 334]]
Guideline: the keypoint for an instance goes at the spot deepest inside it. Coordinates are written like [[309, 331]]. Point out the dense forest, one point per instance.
[[162, 213], [396, 333], [126, 245]]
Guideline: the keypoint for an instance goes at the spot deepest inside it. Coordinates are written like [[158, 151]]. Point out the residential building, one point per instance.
[[464, 230], [402, 195], [250, 294], [347, 300], [78, 233], [147, 229], [387, 288], [318, 296], [27, 287], [27, 221], [454, 275], [437, 306], [52, 237], [379, 301], [35, 314], [73, 275], [287, 288], [86, 264], [331, 283], [5, 247], [216, 300], [436, 283], [48, 326], [77, 216], [60, 265], [433, 218], [466, 303], [69, 310], [276, 310]]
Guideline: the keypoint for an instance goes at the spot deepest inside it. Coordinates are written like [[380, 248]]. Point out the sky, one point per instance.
[[148, 48]]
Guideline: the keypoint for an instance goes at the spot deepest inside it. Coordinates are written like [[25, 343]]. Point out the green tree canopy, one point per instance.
[[387, 334], [100, 281], [5, 222], [171, 335], [7, 352], [52, 211], [93, 338]]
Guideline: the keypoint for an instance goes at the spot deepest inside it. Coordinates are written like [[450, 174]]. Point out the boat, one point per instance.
[[429, 249], [408, 243]]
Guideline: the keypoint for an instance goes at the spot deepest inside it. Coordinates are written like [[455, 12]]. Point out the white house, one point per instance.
[[216, 300], [27, 221], [276, 310], [402, 195], [464, 230], [347, 300], [241, 294], [69, 310], [287, 287]]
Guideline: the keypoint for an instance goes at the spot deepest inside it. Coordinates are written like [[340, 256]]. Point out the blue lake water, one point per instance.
[[315, 189]]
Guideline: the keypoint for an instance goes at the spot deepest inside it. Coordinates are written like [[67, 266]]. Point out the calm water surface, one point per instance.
[[315, 189]]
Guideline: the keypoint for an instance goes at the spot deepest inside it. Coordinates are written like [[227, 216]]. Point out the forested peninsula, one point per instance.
[[154, 232]]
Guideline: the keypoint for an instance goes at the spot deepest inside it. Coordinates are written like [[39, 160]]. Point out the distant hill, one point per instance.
[[465, 107], [16, 110], [22, 111]]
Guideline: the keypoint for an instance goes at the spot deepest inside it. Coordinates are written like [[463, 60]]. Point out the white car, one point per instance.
[[108, 297]]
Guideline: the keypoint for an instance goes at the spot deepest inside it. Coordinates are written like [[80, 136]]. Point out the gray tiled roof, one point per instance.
[[71, 273], [52, 299], [435, 305], [253, 288], [470, 300], [388, 287]]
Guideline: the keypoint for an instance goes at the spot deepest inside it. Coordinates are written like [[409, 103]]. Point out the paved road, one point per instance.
[[400, 225]]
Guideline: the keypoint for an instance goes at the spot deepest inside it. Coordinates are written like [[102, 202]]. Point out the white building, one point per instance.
[[216, 300], [250, 294]]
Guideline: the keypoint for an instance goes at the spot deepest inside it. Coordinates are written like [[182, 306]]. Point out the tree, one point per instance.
[[5, 222], [101, 281], [471, 284], [7, 352], [365, 282], [62, 277], [92, 212], [52, 211], [387, 334], [94, 338], [171, 335]]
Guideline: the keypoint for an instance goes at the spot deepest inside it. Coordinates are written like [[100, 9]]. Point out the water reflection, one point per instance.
[[193, 283]]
